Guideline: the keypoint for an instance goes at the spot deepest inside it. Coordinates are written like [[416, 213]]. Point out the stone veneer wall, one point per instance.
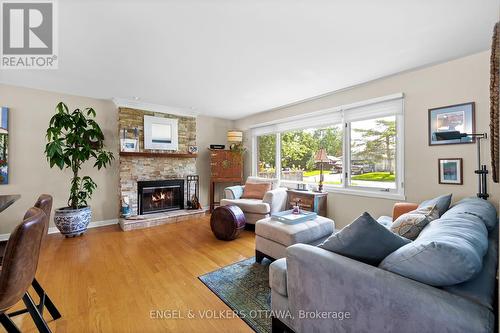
[[135, 168]]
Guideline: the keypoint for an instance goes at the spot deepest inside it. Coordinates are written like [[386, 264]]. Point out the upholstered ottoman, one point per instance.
[[273, 237]]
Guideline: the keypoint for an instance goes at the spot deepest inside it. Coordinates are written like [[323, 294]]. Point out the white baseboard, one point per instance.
[[95, 224], [54, 230]]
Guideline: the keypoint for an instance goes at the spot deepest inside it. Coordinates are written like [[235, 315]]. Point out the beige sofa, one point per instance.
[[256, 209]]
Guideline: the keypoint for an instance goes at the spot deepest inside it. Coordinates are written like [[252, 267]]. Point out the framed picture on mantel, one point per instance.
[[129, 145]]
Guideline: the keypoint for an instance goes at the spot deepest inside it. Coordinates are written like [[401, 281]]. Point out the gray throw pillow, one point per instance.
[[442, 202], [364, 240], [410, 225]]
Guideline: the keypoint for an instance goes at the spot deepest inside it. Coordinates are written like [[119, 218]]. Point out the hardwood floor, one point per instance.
[[110, 280]]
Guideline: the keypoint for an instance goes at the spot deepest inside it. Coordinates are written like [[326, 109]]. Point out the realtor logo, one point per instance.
[[28, 35]]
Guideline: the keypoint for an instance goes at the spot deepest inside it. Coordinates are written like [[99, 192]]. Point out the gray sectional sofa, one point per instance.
[[315, 290]]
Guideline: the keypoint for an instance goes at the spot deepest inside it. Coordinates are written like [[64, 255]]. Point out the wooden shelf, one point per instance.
[[156, 154]]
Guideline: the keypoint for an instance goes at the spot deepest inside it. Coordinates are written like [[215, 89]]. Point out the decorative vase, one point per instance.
[[72, 222]]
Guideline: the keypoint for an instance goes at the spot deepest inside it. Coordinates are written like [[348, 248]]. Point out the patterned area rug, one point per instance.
[[244, 287]]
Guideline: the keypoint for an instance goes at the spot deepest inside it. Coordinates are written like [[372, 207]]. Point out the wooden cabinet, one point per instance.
[[310, 201], [226, 166]]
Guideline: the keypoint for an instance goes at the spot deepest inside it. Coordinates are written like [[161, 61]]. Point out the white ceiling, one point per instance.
[[233, 58]]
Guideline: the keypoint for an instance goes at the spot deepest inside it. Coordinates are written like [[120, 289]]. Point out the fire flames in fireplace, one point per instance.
[[160, 199], [161, 196]]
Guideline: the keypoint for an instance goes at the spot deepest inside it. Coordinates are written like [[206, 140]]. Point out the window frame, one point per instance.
[[337, 116], [348, 156]]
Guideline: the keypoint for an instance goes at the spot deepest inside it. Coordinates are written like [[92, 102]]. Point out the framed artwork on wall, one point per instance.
[[4, 146], [160, 133], [459, 117], [451, 171]]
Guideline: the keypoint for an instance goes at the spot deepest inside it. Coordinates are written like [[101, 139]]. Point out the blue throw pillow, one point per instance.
[[364, 240], [442, 203]]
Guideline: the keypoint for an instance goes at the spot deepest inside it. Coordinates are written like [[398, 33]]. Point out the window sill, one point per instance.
[[350, 191], [366, 193]]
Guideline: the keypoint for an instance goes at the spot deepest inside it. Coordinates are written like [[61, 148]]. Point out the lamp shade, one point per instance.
[[234, 136], [321, 156]]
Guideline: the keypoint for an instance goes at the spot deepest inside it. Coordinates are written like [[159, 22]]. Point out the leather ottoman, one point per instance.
[[227, 222]]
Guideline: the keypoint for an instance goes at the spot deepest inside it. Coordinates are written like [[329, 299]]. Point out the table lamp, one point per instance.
[[321, 157], [235, 138]]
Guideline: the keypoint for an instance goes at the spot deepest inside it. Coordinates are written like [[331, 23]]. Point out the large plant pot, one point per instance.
[[72, 222]]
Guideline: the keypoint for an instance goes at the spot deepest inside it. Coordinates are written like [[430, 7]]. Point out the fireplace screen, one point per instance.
[[160, 196]]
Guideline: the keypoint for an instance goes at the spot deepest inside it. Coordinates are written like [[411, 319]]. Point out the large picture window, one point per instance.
[[363, 144]]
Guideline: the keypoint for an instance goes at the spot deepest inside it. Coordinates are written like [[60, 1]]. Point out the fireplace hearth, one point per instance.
[[158, 196]]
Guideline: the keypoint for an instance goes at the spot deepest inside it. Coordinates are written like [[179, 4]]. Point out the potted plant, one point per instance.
[[73, 139]]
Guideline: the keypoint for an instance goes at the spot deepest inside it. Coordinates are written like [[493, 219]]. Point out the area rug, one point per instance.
[[244, 287]]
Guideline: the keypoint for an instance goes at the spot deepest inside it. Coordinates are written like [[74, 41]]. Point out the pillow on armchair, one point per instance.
[[259, 180], [255, 190]]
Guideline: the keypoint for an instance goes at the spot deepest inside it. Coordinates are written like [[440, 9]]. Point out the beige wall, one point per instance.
[[30, 175], [29, 172], [458, 81], [209, 131]]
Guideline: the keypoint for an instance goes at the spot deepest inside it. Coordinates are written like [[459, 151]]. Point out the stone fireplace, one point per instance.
[[154, 180], [156, 196]]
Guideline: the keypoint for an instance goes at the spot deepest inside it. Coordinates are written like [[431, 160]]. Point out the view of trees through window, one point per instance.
[[372, 160], [266, 154], [299, 148], [373, 152]]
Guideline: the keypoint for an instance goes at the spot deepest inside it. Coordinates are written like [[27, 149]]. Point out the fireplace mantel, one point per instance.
[[156, 154]]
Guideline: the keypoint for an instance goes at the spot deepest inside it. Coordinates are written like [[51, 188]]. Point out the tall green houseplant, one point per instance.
[[74, 138]]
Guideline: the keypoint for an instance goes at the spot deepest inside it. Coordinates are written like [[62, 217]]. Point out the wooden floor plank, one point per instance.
[[109, 280]]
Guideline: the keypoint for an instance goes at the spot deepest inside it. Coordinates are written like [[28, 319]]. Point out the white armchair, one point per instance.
[[273, 201]]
